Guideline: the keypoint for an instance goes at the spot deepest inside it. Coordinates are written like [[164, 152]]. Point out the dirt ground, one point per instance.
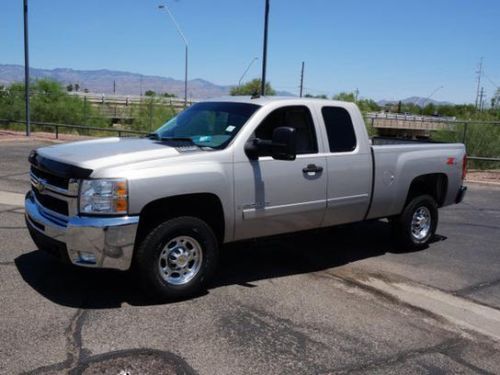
[[484, 176]]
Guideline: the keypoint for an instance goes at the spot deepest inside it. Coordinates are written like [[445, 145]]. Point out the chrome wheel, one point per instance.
[[180, 260], [421, 223]]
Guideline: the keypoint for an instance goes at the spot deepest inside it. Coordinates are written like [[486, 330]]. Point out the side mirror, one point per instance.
[[281, 147]]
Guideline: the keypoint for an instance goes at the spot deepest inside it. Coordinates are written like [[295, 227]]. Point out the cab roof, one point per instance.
[[263, 100]]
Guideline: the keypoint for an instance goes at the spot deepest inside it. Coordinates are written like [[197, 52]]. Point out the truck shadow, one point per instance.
[[241, 263]]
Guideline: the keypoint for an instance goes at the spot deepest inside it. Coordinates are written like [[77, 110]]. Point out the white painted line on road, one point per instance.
[[461, 311], [11, 199]]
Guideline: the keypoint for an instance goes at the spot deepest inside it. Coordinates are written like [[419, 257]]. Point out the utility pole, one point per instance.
[[302, 79], [26, 70], [356, 94], [479, 73], [114, 87], [264, 53], [481, 97]]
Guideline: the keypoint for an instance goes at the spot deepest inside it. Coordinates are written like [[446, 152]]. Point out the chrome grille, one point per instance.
[[51, 179], [54, 198]]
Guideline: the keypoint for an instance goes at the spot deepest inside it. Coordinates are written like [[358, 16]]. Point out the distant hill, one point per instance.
[[101, 81], [417, 100]]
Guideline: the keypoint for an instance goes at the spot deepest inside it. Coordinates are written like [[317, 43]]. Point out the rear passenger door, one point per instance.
[[349, 165], [278, 196]]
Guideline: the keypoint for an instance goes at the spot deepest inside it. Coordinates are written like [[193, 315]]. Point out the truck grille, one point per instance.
[[51, 203], [55, 184], [51, 179]]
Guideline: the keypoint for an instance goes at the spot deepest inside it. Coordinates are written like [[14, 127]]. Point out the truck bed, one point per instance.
[[397, 162]]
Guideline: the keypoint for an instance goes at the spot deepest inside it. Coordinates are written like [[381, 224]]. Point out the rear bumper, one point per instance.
[[461, 194], [107, 240]]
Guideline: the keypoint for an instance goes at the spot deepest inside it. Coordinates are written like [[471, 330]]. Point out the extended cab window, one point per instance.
[[340, 130], [297, 117]]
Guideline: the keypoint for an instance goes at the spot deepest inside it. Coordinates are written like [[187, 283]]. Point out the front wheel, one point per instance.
[[176, 258], [416, 225]]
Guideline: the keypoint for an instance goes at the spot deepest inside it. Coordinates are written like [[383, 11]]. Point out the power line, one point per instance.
[[491, 81]]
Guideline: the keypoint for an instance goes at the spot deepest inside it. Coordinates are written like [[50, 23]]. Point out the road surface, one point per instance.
[[334, 301]]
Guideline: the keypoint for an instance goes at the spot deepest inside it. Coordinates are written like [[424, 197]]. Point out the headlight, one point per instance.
[[104, 197]]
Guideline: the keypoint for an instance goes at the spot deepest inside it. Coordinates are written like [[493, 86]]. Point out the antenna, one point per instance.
[[302, 79]]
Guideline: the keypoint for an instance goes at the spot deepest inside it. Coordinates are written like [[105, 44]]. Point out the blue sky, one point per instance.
[[388, 49]]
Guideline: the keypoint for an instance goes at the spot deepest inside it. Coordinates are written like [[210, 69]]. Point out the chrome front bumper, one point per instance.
[[109, 239]]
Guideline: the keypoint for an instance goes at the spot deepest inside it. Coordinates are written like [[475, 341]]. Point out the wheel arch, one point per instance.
[[205, 206], [433, 184]]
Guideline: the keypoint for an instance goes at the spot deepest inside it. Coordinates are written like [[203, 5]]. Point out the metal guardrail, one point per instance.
[[408, 117], [56, 127], [129, 99]]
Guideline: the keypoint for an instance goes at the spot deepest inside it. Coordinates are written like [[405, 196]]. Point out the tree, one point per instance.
[[69, 88], [50, 102], [252, 88], [77, 87], [322, 96], [345, 97], [150, 93], [368, 105], [169, 95]]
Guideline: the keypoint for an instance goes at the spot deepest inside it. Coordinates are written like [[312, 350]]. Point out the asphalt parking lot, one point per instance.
[[335, 301]]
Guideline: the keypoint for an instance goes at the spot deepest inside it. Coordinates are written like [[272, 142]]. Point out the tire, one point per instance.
[[177, 258], [417, 224]]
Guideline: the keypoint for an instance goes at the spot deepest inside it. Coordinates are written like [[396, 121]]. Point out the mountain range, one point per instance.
[[126, 83]]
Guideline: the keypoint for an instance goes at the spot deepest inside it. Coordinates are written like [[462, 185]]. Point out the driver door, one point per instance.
[[279, 196]]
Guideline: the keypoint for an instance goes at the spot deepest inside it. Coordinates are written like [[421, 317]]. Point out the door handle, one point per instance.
[[312, 168]]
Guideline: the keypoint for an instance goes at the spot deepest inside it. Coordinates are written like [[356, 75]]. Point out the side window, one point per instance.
[[297, 117], [340, 130]]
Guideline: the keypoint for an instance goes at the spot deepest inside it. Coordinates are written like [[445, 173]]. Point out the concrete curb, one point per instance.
[[486, 183]]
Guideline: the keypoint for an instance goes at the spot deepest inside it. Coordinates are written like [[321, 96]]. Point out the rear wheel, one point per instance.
[[416, 225], [177, 258]]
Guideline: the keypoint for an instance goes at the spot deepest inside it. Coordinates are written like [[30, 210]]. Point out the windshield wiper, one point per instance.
[[177, 139]]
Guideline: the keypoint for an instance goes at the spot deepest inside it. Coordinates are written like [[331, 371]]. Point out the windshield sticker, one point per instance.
[[230, 128]]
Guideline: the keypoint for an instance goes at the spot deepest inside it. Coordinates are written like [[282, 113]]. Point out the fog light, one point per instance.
[[84, 257]]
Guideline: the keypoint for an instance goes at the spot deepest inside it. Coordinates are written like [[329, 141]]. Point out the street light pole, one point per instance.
[[432, 93], [264, 53], [247, 69], [26, 69], [164, 6]]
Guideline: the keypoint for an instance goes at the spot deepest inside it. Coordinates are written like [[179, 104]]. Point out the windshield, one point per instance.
[[208, 124]]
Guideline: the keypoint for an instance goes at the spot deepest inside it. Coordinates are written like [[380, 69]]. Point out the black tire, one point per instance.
[[406, 238], [149, 258]]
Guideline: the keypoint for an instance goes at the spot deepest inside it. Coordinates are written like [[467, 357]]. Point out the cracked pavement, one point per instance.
[[308, 303]]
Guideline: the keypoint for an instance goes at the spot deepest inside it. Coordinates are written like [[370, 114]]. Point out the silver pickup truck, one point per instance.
[[227, 170]]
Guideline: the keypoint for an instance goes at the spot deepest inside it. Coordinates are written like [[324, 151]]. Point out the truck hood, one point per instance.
[[108, 152]]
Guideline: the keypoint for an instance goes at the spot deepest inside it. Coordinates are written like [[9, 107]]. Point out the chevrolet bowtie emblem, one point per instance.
[[40, 185]]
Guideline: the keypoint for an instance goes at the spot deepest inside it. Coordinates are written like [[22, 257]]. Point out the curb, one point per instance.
[[487, 183]]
